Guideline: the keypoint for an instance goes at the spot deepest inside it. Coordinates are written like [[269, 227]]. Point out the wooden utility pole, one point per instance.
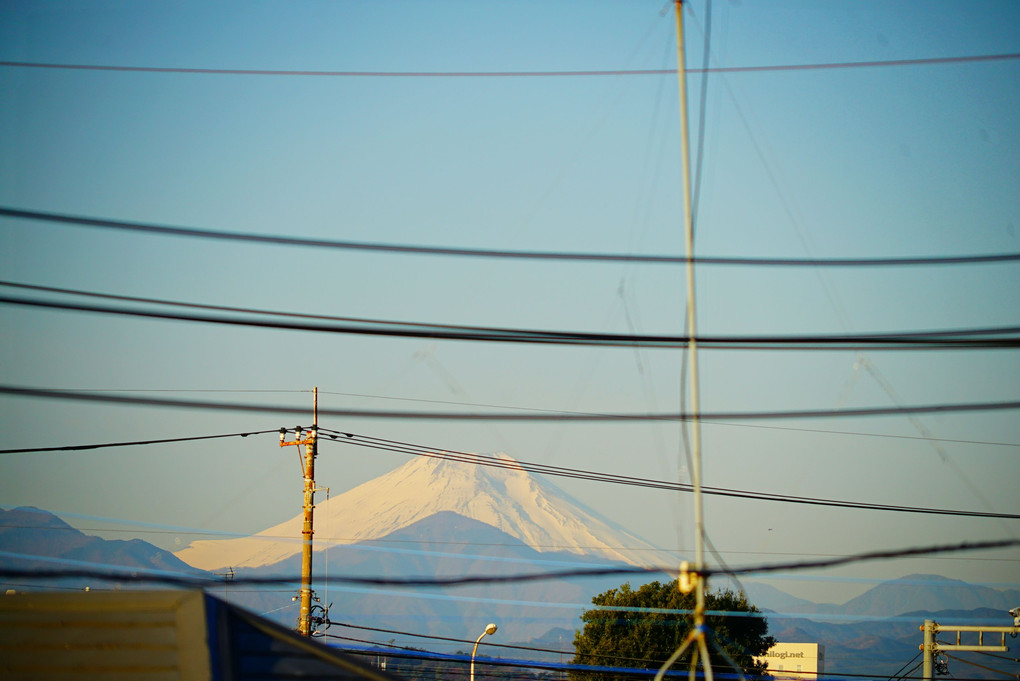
[[309, 440]]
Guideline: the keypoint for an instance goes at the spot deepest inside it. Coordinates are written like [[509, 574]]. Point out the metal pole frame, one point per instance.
[[475, 649]]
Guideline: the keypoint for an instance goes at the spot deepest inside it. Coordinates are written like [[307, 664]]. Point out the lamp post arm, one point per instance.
[[473, 651]]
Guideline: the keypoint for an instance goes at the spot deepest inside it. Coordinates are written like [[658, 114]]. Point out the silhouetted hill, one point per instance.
[[878, 632], [33, 539], [928, 593], [768, 597], [874, 634], [879, 647], [913, 593], [447, 544]]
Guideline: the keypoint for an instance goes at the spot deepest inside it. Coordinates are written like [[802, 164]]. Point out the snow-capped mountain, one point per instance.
[[510, 499]]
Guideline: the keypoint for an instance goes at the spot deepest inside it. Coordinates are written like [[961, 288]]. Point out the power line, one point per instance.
[[826, 431], [981, 666], [445, 638], [240, 310], [494, 333], [900, 674], [178, 579], [112, 572], [998, 657], [569, 652], [129, 400], [929, 61], [216, 581], [406, 652], [865, 557], [860, 434], [989, 338], [581, 474], [384, 649], [733, 425], [279, 240], [193, 390], [384, 541], [390, 650], [74, 448]]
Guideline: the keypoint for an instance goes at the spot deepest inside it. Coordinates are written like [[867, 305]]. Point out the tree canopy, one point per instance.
[[642, 628]]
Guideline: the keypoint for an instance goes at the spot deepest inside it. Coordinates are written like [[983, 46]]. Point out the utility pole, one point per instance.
[[228, 577], [931, 647], [928, 648], [309, 440]]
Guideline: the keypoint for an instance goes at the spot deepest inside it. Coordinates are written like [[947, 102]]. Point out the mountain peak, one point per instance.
[[502, 495], [30, 536]]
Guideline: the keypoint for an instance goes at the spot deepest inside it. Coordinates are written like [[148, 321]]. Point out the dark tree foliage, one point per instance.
[[646, 639]]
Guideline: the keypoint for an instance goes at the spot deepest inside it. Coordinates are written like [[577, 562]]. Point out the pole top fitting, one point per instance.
[[688, 580]]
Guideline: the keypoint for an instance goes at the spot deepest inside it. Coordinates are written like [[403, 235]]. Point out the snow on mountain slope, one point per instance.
[[510, 499]]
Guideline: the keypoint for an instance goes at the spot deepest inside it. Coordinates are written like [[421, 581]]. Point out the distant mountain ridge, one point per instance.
[[878, 631], [912, 593], [522, 505], [33, 539], [918, 592], [878, 647], [543, 613], [443, 545], [538, 614]]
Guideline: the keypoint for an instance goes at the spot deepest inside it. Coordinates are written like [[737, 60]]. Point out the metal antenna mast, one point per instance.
[[691, 580]]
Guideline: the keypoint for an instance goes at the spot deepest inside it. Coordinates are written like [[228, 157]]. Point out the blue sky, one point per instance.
[[870, 162]]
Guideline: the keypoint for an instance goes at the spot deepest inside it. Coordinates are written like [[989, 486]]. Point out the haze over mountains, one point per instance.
[[876, 632], [507, 498], [907, 594], [437, 518], [446, 545], [32, 539]]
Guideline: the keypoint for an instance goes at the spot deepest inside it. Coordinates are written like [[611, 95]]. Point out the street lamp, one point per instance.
[[489, 629]]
